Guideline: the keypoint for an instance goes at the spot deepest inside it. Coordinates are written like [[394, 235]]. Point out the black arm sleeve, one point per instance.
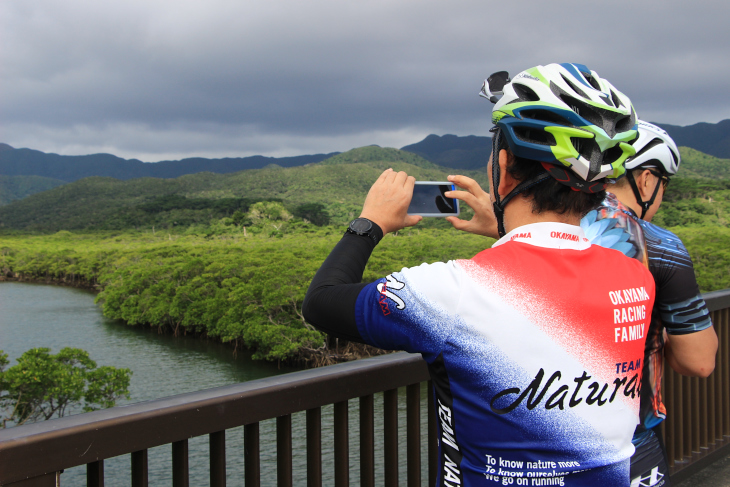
[[330, 301]]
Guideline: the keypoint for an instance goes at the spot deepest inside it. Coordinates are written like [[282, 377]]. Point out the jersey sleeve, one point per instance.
[[680, 305], [412, 310]]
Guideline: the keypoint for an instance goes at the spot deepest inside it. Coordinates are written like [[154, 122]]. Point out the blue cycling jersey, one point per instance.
[[678, 308]]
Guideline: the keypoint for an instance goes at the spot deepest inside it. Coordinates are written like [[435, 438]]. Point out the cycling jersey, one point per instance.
[[535, 350], [678, 308]]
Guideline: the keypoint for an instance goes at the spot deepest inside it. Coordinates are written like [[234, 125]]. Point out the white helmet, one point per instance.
[[655, 148]]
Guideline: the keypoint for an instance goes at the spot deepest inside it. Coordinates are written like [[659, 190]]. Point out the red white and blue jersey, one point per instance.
[[535, 349]]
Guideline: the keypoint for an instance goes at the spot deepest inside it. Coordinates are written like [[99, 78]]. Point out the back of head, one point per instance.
[[655, 152], [568, 124]]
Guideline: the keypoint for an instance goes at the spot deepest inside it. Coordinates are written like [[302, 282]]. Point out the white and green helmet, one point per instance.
[[566, 116]]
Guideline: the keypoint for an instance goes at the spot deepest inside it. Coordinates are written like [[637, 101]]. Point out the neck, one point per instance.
[[519, 212], [627, 198]]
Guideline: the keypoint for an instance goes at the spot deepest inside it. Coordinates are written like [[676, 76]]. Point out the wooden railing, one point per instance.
[[697, 430], [697, 427]]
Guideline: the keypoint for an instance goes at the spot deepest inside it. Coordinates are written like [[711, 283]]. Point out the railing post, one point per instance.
[[180, 464], [367, 441], [218, 459], [251, 455], [433, 451], [413, 434], [686, 417], [668, 429], [95, 474], [139, 468], [725, 365], [717, 379], [678, 416], [314, 447], [342, 446], [696, 414], [390, 437], [283, 451]]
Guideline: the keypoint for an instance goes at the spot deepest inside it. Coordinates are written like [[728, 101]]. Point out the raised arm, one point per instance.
[[330, 301]]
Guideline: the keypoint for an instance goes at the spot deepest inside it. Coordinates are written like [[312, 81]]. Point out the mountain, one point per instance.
[[28, 162], [710, 138], [374, 153], [103, 203], [470, 152]]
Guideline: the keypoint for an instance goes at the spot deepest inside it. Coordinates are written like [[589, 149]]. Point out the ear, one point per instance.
[[506, 182], [644, 181]]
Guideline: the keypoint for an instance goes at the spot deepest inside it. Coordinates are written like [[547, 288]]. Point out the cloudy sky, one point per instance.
[[164, 79]]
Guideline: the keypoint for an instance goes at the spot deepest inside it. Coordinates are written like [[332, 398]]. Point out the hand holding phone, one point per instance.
[[387, 201]]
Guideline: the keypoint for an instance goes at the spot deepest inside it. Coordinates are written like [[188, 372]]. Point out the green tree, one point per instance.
[[42, 385], [314, 212], [268, 210]]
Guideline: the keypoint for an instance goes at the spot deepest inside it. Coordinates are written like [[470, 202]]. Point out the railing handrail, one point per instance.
[[84, 438], [717, 299]]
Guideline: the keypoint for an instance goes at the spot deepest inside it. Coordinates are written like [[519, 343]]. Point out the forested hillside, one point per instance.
[[18, 187], [340, 184]]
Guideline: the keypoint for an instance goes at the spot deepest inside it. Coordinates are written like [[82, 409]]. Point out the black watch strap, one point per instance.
[[365, 228]]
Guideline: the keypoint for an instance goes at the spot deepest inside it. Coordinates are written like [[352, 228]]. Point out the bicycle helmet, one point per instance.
[[575, 123], [655, 149]]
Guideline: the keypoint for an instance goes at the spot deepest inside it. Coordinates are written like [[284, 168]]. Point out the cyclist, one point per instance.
[[535, 345], [690, 342]]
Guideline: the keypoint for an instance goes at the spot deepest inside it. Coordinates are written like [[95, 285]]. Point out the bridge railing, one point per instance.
[[697, 429]]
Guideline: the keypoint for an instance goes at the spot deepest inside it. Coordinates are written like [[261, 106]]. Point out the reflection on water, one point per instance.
[[33, 315]]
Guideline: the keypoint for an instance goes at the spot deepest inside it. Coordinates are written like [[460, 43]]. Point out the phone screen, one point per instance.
[[429, 200]]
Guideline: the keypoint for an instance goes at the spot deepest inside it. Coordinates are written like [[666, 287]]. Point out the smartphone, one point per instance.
[[429, 200]]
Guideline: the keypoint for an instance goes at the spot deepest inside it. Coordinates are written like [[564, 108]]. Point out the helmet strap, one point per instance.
[[499, 204], [645, 205]]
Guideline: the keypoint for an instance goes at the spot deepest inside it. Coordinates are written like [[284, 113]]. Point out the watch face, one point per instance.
[[360, 225]]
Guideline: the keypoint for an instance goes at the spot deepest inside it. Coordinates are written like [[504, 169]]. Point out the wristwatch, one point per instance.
[[365, 228]]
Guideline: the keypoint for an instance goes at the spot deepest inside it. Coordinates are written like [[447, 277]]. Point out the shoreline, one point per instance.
[[307, 358]]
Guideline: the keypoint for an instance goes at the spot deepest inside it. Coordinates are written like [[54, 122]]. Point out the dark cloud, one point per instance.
[[156, 79]]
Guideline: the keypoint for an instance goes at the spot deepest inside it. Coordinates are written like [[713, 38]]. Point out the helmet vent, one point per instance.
[[589, 150], [675, 157], [546, 116], [592, 81], [610, 121], [577, 90], [653, 143], [586, 111], [525, 93], [611, 155], [534, 136], [616, 100], [623, 124]]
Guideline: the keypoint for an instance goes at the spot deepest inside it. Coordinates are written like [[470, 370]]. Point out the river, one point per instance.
[[35, 315]]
